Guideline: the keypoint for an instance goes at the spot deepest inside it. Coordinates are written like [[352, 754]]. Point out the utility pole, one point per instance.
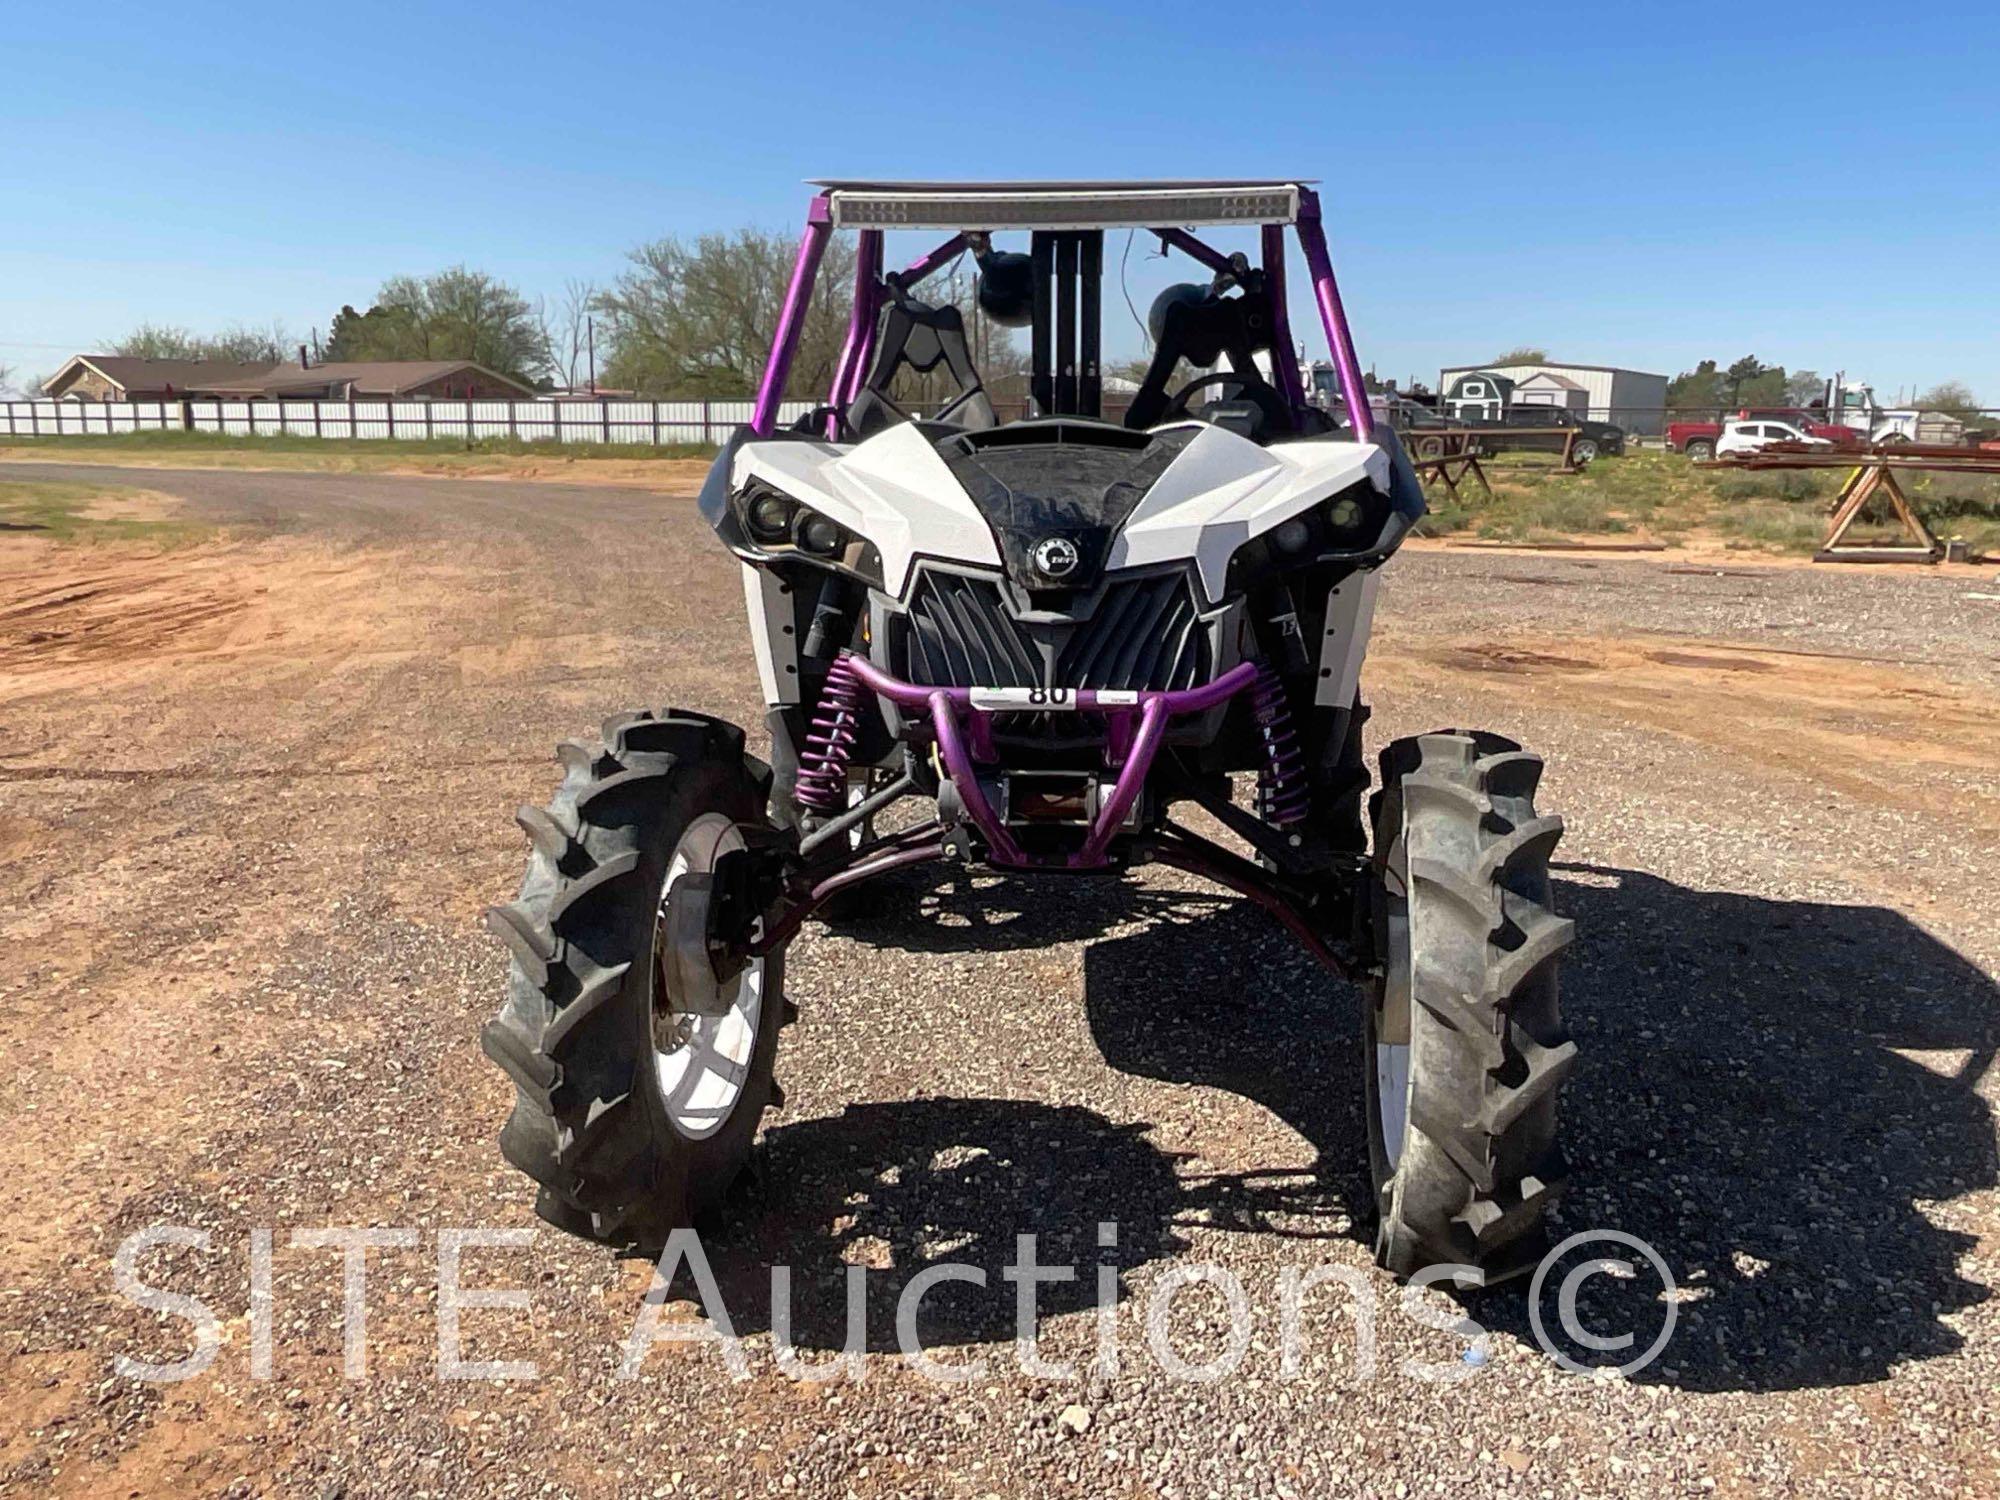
[[590, 338]]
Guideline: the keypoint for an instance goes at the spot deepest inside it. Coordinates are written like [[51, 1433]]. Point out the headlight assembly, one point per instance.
[[773, 524], [1346, 527]]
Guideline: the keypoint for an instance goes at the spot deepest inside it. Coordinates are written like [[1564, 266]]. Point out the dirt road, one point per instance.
[[255, 792]]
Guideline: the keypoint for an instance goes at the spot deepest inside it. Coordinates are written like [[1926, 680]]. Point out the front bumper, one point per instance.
[[960, 723]]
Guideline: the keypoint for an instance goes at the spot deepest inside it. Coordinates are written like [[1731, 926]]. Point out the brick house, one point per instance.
[[121, 377], [118, 377]]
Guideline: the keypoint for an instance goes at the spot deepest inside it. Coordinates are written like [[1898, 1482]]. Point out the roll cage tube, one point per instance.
[[870, 286]]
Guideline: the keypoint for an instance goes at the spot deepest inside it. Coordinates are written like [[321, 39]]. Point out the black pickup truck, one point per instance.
[[1593, 439]]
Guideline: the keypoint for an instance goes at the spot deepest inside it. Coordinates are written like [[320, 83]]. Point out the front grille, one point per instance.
[[1144, 632]]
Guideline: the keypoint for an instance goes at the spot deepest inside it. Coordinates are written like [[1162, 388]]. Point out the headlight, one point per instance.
[[1347, 519], [773, 524], [768, 515], [819, 536], [1347, 525]]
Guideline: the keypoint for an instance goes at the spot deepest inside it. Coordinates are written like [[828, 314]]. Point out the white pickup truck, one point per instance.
[[1747, 436]]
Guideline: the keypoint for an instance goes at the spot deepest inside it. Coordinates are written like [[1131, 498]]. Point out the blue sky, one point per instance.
[[1816, 186]]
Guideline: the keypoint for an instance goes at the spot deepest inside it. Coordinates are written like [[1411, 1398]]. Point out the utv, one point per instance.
[[1049, 635]]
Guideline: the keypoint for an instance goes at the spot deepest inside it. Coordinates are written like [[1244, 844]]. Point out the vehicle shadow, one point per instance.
[[939, 908], [1744, 1104], [1773, 1095], [900, 1187]]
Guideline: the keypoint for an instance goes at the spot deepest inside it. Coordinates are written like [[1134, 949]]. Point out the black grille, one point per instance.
[[1144, 633]]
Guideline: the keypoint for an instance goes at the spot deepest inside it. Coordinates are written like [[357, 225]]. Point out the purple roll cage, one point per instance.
[[869, 290], [1135, 722]]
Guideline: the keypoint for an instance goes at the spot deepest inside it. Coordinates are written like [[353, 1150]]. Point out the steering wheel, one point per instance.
[[1277, 418]]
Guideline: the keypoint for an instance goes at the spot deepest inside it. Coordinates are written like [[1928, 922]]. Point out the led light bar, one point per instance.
[[1060, 205]]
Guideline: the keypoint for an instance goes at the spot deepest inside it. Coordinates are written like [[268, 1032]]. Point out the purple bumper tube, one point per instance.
[[1151, 709]]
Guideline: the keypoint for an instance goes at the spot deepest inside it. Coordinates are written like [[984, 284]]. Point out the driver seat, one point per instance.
[[1201, 330], [922, 337]]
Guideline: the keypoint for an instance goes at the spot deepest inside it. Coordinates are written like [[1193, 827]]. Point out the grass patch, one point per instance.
[[85, 513], [1661, 495]]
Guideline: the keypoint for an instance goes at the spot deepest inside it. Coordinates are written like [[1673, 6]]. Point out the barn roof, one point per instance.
[[1554, 379]]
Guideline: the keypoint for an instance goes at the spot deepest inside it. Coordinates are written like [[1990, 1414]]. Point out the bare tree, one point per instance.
[[565, 326], [158, 341], [1952, 397], [238, 343], [246, 345]]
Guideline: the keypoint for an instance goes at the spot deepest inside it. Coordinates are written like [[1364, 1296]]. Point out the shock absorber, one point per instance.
[[1282, 793], [836, 722]]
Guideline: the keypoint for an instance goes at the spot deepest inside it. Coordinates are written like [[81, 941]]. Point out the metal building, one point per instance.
[[1634, 399]]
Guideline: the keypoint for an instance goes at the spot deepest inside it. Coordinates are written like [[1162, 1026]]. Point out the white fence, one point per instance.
[[653, 422]]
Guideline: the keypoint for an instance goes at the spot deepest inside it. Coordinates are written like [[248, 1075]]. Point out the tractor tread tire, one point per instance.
[[1480, 1164], [573, 1034]]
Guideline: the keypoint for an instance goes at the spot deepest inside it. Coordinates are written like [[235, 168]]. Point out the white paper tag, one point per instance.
[[1054, 700]]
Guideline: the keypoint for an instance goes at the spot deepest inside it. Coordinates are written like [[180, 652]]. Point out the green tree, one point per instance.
[[696, 318], [1747, 369], [1527, 354], [379, 333], [1697, 393], [1952, 397], [1804, 387], [456, 313]]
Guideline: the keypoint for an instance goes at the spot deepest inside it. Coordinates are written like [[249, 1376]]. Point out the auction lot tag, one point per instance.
[[997, 700]]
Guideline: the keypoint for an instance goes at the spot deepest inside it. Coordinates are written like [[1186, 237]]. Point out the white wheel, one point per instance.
[[700, 1062]]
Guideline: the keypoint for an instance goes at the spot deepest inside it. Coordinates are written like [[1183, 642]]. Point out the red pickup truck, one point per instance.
[[1697, 439]]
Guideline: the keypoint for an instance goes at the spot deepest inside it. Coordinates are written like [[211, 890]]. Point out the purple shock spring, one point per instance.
[[1282, 794], [830, 741]]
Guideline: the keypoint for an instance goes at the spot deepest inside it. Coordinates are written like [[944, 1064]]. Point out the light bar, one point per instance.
[[1097, 208]]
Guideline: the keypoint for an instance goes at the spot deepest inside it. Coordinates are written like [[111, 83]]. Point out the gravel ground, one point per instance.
[[250, 812]]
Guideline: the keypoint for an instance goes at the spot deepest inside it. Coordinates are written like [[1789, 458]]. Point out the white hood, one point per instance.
[[1220, 491]]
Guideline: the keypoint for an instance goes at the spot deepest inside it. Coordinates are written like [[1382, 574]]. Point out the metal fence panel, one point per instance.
[[534, 421], [629, 422], [492, 419]]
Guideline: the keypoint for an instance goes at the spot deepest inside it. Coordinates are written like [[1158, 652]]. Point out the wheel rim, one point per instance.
[[1584, 452], [700, 1062], [1392, 1051]]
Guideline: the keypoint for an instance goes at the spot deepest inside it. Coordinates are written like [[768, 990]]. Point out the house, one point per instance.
[[1635, 399], [388, 379], [125, 377], [118, 377]]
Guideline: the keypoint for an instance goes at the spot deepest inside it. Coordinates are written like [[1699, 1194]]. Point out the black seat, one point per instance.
[[922, 337], [1204, 327]]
